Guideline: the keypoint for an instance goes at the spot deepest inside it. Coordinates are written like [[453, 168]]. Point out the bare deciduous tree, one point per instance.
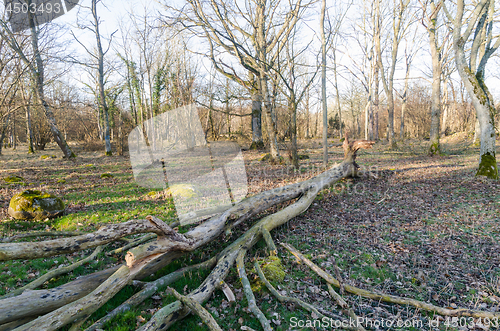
[[36, 69], [474, 43], [252, 36]]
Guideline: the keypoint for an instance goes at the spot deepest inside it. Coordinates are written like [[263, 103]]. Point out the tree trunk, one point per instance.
[[435, 148], [446, 109], [37, 70], [295, 156], [257, 142], [29, 132], [472, 75], [482, 102], [323, 84], [376, 103], [4, 131], [100, 71]]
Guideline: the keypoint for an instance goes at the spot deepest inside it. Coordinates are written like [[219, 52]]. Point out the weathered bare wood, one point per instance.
[[167, 247], [133, 244], [271, 247], [150, 289], [162, 319], [459, 312], [13, 325], [39, 302], [41, 234], [84, 307], [106, 234]]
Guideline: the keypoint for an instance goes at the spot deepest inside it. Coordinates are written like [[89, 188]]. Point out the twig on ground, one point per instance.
[[459, 312], [343, 304], [198, 310], [240, 264]]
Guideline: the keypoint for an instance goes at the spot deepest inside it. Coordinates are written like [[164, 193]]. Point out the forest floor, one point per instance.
[[412, 225]]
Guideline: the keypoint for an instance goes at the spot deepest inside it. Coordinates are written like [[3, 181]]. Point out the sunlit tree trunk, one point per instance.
[[37, 72], [323, 84], [435, 148], [479, 26]]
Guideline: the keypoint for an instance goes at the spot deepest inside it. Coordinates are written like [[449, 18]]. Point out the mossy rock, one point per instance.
[[106, 175], [182, 190], [32, 204], [14, 179], [61, 181], [45, 156]]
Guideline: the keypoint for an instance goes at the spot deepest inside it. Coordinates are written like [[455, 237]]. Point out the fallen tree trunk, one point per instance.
[[169, 245]]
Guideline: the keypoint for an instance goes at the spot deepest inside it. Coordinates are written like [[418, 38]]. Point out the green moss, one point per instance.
[[257, 145], [106, 175], [45, 156], [265, 157], [109, 154], [32, 204], [61, 181], [488, 166], [273, 270], [303, 157], [183, 190], [14, 179], [435, 149]]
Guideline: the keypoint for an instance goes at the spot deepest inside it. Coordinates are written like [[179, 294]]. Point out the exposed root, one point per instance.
[[459, 312], [53, 273], [247, 289], [198, 310]]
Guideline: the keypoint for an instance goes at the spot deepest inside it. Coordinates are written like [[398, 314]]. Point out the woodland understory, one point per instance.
[[408, 238]]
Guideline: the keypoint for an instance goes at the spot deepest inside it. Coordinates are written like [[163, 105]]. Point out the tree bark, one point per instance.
[[472, 75], [100, 72], [323, 84], [37, 71], [257, 141], [435, 148]]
